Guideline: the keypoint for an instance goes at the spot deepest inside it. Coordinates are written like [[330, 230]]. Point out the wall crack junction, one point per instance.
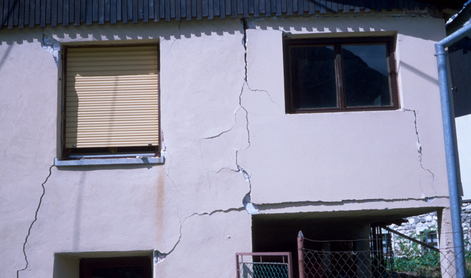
[[32, 223]]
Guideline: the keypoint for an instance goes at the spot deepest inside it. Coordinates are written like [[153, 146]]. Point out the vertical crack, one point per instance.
[[32, 223], [250, 208], [244, 44], [419, 145], [245, 25], [168, 158]]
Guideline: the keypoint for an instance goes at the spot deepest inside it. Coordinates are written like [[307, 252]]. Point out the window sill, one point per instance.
[[109, 161]]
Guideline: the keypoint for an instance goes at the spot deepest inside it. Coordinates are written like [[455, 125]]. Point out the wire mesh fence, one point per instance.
[[409, 260], [264, 265]]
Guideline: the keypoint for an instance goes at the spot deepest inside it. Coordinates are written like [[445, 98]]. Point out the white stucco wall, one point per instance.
[[354, 155], [213, 125], [463, 138]]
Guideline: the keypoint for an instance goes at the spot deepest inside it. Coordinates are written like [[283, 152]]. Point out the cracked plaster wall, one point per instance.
[[216, 119], [190, 206], [355, 155], [24, 156]]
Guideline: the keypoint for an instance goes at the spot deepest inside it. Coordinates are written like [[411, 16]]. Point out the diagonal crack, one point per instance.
[[179, 238], [163, 255], [265, 91], [419, 145], [179, 30], [32, 223], [222, 132]]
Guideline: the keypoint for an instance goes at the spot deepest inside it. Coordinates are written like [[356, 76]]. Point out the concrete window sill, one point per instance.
[[109, 161]]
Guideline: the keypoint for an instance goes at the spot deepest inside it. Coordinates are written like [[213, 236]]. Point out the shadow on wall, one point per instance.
[[123, 32], [66, 266], [5, 55], [419, 73], [338, 25]]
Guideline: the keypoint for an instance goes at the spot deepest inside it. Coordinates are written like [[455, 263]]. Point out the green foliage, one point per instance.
[[416, 260]]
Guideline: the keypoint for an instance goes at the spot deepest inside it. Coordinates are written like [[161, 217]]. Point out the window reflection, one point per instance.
[[366, 75], [313, 75]]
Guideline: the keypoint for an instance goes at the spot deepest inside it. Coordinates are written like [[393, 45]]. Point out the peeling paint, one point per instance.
[[158, 257], [52, 46], [32, 223], [244, 173], [250, 207]]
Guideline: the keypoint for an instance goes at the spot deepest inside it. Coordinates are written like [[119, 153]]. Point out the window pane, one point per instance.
[[313, 77], [366, 75]]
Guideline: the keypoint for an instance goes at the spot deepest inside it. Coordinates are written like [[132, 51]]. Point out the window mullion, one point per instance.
[[341, 103], [392, 75]]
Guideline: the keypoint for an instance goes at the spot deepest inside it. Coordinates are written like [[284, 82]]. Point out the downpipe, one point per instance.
[[450, 145]]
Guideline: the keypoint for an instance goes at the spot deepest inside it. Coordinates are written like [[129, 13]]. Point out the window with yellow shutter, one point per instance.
[[111, 102]]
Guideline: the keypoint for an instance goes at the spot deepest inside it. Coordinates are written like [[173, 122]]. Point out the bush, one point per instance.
[[416, 260]]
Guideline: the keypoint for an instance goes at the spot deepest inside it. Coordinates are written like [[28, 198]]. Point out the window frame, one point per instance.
[[112, 153], [337, 43], [88, 264], [431, 238]]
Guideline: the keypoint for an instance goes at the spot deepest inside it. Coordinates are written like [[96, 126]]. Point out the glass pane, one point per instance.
[[365, 71], [118, 272], [313, 77]]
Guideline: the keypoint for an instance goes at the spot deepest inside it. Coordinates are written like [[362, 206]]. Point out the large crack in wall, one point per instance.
[[246, 200], [52, 46], [43, 186], [158, 255], [419, 146]]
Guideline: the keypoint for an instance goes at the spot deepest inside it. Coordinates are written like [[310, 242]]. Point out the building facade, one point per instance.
[[234, 152]]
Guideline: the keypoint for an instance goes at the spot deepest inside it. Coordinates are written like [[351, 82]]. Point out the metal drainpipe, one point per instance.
[[450, 147]]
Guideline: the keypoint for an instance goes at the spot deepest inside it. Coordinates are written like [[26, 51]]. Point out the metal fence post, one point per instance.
[[301, 254]]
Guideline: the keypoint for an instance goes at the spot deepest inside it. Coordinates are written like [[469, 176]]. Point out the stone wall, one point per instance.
[[416, 225]]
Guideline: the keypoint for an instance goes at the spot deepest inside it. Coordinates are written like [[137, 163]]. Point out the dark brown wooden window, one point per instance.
[[122, 267], [348, 74]]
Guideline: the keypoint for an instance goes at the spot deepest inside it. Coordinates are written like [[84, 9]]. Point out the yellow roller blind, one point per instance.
[[112, 97]]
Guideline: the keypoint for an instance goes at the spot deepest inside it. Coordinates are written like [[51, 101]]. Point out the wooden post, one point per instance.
[[301, 254]]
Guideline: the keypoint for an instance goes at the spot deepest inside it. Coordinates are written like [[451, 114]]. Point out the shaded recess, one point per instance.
[[278, 232], [460, 65]]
